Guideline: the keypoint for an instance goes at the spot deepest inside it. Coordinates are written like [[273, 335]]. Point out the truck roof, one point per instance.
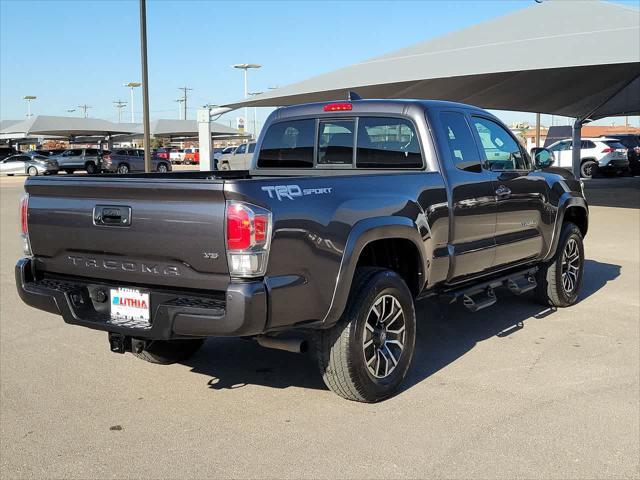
[[368, 106]]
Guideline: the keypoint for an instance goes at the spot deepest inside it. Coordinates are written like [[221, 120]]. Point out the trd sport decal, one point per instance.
[[292, 191]]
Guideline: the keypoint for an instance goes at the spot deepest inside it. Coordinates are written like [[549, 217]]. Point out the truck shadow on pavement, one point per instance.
[[445, 333]]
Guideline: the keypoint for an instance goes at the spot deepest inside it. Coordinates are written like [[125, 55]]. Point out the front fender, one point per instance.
[[364, 232]]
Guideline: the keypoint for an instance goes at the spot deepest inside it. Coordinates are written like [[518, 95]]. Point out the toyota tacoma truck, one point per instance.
[[350, 213]]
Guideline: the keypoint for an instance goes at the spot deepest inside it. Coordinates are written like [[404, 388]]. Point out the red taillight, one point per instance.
[[248, 238], [608, 150], [24, 207], [238, 227], [261, 223], [337, 107]]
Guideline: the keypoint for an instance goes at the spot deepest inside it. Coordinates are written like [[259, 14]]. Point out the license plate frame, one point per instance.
[[130, 304]]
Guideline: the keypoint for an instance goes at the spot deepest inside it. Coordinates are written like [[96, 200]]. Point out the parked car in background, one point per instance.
[[240, 159], [6, 151], [132, 160], [228, 150], [32, 165], [164, 153], [87, 159], [176, 155], [598, 155], [191, 156], [631, 141]]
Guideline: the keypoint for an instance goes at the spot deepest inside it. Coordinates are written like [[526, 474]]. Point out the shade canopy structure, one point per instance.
[[573, 58], [187, 128], [62, 127]]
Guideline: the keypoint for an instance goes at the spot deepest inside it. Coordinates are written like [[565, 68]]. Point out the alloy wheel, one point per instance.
[[384, 336], [570, 266]]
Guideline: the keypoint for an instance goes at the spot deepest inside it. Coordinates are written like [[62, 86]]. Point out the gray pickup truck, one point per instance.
[[350, 213]]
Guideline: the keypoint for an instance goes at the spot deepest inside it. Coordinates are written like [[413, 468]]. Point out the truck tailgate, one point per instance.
[[174, 236]]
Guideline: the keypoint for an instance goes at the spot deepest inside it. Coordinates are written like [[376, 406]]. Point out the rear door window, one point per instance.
[[387, 143], [288, 144], [335, 142]]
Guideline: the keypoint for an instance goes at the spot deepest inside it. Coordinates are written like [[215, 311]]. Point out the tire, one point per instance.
[[588, 168], [90, 168], [166, 352], [342, 350], [123, 169], [32, 171], [552, 284], [162, 168]]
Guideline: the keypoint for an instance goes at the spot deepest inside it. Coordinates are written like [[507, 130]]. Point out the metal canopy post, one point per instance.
[[145, 86], [204, 139], [575, 147]]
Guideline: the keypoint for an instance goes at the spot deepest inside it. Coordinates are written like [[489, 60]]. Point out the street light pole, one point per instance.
[[255, 115], [145, 86], [119, 104], [179, 102], [131, 86], [246, 67], [29, 98]]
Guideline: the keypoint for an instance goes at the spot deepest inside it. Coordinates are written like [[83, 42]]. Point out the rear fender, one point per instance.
[[363, 233]]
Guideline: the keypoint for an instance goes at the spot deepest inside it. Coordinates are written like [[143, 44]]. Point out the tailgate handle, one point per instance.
[[112, 215]]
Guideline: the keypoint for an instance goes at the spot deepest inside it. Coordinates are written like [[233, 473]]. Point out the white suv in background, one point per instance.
[[239, 159], [605, 154]]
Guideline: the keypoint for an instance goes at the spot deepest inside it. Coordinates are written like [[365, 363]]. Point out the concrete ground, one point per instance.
[[515, 391]]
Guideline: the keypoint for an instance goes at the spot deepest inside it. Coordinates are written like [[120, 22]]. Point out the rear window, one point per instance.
[[387, 143], [615, 144], [335, 142], [288, 145]]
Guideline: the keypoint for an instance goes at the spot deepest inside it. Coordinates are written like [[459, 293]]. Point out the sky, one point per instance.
[[75, 52]]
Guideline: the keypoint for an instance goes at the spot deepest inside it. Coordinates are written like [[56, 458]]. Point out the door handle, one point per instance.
[[502, 192]]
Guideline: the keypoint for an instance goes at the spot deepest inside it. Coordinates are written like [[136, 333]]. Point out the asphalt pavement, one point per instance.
[[514, 391]]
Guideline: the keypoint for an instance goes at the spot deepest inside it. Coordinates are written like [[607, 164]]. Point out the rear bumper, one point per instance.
[[615, 165], [240, 311]]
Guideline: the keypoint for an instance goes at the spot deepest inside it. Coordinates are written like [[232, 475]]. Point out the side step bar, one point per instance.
[[482, 295]]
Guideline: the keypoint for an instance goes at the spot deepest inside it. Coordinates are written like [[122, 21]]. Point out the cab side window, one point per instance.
[[501, 150], [460, 142]]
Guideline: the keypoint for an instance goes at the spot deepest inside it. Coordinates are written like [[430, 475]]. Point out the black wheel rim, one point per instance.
[[570, 266], [587, 169], [384, 336]]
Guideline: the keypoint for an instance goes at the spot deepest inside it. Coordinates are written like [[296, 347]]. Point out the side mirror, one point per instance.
[[542, 157]]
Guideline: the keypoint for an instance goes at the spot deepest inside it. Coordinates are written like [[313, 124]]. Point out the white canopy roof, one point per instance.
[[573, 58], [44, 125], [62, 126]]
